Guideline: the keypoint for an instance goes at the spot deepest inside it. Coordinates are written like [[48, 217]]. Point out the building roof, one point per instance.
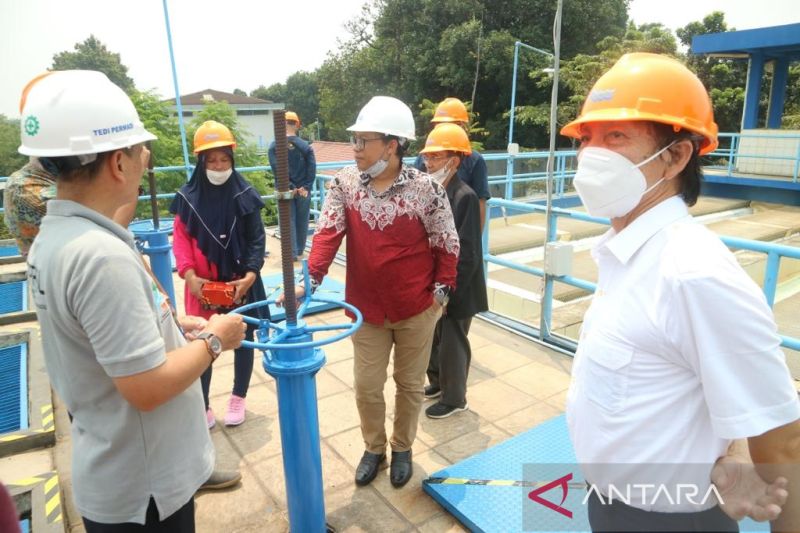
[[329, 152], [201, 97], [772, 42]]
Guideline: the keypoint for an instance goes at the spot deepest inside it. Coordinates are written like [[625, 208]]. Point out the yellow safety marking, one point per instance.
[[50, 483], [25, 482], [501, 482], [51, 504]]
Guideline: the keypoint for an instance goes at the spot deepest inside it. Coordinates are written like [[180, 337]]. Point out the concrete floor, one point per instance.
[[531, 380]]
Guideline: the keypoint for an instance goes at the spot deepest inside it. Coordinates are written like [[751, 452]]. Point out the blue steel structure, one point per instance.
[[779, 44]]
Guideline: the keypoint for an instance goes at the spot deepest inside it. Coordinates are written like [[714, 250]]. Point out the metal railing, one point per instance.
[[774, 253], [730, 150], [564, 171]]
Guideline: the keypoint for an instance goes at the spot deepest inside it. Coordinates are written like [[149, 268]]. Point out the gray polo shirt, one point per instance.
[[99, 319]]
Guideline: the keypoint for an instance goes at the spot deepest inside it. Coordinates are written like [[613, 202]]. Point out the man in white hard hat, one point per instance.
[[402, 250], [113, 351]]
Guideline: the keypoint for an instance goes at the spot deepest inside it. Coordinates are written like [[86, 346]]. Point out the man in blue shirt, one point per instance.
[[302, 171], [472, 170]]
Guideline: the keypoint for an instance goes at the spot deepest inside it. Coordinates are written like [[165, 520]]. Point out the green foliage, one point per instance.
[[91, 54], [10, 159], [431, 49], [300, 93]]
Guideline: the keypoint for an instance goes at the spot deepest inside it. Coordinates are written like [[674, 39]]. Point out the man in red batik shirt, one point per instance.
[[402, 251]]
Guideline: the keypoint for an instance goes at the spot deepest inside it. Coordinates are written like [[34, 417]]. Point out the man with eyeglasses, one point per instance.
[[402, 250], [445, 150], [472, 169]]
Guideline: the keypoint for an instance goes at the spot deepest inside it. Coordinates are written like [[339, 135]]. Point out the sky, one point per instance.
[[242, 44]]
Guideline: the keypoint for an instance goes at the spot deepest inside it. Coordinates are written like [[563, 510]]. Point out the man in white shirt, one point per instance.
[[678, 355]]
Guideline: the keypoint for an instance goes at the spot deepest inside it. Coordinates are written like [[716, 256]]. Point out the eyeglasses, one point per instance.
[[434, 157], [359, 143]]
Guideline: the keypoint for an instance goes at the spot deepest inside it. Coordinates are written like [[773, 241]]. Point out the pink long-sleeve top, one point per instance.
[[188, 256]]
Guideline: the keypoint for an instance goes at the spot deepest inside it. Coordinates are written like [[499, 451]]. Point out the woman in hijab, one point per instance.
[[219, 236]]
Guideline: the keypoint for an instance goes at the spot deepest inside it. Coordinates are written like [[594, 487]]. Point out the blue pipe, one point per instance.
[[178, 103], [294, 371], [158, 249]]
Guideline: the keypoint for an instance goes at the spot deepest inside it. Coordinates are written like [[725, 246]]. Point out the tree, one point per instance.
[[300, 94], [725, 79], [578, 75], [429, 49], [239, 92], [10, 159], [91, 54]]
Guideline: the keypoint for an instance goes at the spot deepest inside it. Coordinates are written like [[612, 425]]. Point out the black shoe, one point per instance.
[[368, 468], [401, 469], [440, 410], [432, 391]]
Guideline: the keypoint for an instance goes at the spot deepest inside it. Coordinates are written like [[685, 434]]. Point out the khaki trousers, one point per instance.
[[412, 339]]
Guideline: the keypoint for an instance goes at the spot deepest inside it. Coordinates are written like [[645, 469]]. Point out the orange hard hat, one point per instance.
[[654, 88], [451, 110], [447, 137], [212, 134], [291, 115]]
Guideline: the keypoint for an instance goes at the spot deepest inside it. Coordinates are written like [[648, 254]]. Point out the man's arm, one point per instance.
[[776, 453], [743, 492], [148, 390]]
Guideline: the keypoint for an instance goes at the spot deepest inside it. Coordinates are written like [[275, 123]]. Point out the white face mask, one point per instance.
[[218, 177], [609, 184], [375, 170], [440, 175]]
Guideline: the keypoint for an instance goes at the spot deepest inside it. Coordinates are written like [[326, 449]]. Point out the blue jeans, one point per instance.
[[299, 209]]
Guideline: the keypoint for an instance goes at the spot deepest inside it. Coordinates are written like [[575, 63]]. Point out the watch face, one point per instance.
[[215, 344]]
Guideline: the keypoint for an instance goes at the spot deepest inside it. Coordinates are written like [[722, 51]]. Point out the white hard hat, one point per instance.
[[387, 115], [78, 112]]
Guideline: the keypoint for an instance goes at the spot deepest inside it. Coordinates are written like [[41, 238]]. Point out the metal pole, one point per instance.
[[513, 94], [151, 179], [547, 288], [285, 196], [177, 92]]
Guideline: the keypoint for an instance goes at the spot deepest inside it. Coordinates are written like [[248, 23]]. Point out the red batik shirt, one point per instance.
[[399, 242]]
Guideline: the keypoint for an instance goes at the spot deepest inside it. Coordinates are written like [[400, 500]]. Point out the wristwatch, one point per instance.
[[213, 344], [441, 293]]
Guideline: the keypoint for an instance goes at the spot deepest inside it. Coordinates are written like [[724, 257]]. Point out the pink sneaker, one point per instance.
[[235, 414], [210, 420]]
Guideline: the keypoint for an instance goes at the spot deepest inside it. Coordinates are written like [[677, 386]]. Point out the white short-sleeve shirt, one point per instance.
[[678, 355]]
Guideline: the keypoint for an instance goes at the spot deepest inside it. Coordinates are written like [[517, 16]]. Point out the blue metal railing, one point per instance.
[[563, 172], [732, 152], [774, 252]]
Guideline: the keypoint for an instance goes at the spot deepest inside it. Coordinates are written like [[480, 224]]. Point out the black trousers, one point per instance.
[[618, 516], [451, 355], [181, 521]]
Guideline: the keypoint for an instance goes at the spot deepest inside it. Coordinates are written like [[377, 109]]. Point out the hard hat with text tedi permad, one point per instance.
[[77, 113], [451, 110], [447, 137], [387, 115], [650, 87], [212, 134], [292, 116]]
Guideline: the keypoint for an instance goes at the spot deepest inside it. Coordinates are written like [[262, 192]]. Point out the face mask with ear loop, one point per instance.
[[442, 174], [609, 184], [377, 168], [218, 177]]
